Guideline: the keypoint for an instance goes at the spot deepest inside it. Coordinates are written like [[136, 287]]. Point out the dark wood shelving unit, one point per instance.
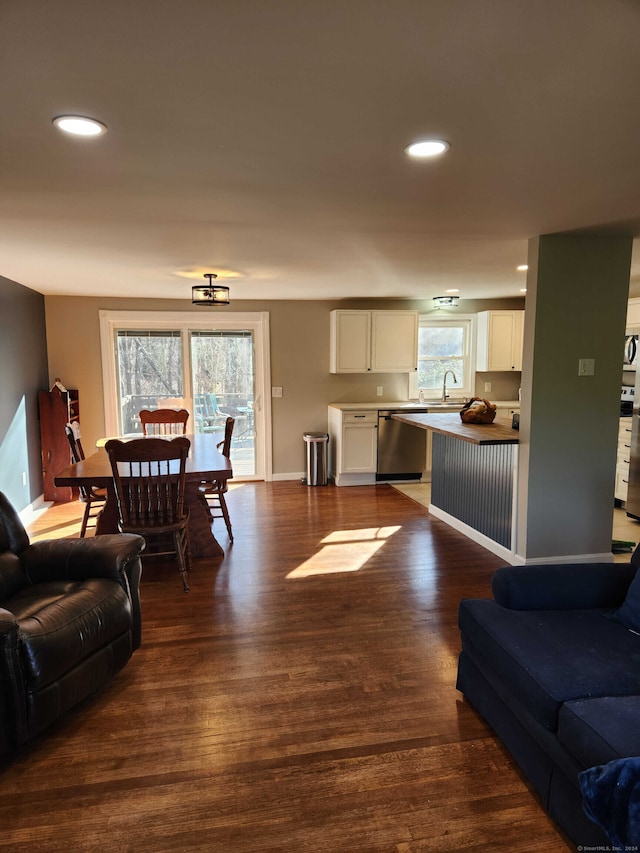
[[57, 408]]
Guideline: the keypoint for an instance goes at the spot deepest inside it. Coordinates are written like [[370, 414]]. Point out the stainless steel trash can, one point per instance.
[[316, 446]]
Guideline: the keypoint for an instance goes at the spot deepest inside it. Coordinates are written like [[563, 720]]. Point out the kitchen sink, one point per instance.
[[449, 404]]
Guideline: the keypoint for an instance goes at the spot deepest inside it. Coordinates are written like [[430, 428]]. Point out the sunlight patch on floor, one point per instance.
[[362, 535], [344, 551]]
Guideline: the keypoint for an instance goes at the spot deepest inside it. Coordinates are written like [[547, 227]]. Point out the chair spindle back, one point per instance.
[[164, 421], [149, 479]]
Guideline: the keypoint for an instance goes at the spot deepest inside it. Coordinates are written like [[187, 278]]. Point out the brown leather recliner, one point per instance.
[[69, 621]]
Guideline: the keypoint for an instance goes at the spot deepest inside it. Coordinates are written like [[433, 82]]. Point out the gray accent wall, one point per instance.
[[577, 292], [23, 356]]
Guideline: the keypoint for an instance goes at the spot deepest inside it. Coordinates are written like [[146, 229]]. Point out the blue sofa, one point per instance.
[[552, 663]]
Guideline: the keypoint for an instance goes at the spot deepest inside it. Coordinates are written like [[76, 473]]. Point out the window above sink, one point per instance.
[[444, 344]]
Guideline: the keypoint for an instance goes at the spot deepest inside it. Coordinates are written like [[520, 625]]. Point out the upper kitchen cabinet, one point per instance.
[[633, 315], [499, 342], [374, 341]]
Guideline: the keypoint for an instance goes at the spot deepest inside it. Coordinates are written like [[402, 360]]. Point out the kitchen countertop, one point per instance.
[[449, 423], [409, 405]]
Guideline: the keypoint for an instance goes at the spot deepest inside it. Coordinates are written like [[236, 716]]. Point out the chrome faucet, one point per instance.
[[444, 384]]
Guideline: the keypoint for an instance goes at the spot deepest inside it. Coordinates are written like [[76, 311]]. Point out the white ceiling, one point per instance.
[[267, 136]]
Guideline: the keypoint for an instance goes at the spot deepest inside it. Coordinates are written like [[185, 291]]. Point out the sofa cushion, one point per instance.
[[63, 622], [551, 657], [600, 730], [629, 611], [12, 577], [612, 800]]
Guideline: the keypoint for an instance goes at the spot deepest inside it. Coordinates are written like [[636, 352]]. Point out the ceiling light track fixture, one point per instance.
[[209, 294]]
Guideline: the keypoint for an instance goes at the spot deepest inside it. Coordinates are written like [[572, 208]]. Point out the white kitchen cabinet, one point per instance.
[[374, 341], [499, 340], [359, 442], [506, 413], [353, 438], [394, 341], [622, 462], [633, 314], [350, 341]]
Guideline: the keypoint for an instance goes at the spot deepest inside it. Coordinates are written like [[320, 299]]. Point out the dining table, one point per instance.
[[205, 463]]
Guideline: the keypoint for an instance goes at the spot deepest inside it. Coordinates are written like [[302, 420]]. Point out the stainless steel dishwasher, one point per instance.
[[402, 448]]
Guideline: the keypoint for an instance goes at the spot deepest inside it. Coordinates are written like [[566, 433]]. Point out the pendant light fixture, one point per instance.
[[445, 301], [210, 294]]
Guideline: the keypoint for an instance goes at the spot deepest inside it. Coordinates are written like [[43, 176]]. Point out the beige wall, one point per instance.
[[299, 362]]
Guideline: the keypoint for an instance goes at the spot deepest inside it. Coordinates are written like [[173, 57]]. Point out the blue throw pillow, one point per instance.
[[629, 611], [611, 798]]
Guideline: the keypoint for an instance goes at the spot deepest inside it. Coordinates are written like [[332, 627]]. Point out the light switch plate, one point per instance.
[[276, 391], [586, 366]]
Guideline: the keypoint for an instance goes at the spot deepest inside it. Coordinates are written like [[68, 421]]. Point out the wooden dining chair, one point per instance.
[[164, 421], [92, 498], [215, 491], [149, 479]]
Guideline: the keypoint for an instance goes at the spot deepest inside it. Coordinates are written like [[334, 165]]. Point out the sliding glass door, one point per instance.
[[223, 382], [150, 374], [214, 372]]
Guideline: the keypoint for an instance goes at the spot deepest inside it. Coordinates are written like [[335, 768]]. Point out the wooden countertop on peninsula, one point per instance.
[[449, 423]]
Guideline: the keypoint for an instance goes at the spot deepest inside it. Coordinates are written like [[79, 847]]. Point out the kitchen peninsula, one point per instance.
[[473, 477]]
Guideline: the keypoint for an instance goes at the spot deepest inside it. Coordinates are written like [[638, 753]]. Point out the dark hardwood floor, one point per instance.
[[300, 698]]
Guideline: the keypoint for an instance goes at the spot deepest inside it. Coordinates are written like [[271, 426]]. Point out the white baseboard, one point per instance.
[[473, 534], [35, 509], [606, 557], [510, 556]]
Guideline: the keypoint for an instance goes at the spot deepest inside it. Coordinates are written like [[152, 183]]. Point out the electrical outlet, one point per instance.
[[276, 392], [379, 390], [487, 387]]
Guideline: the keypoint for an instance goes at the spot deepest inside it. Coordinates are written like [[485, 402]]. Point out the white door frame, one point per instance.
[[257, 322]]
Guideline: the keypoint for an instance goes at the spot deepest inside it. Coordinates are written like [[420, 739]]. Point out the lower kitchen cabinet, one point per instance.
[[622, 462], [506, 413], [353, 441]]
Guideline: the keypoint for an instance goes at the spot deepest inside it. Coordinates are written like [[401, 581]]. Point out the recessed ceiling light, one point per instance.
[[522, 267], [80, 125], [453, 290], [523, 290], [427, 148]]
